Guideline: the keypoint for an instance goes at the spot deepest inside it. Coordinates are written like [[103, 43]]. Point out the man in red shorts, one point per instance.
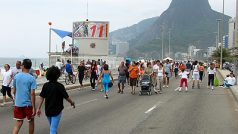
[[24, 86]]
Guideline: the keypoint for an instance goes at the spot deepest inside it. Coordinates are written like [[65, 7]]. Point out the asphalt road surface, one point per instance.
[[200, 111]]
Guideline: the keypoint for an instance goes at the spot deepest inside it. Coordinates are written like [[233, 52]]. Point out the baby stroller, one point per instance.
[[145, 85]]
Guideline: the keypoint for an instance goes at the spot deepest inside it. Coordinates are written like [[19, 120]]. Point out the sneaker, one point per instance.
[[167, 86], [160, 92], [121, 92], [212, 88], [180, 90], [163, 85], [186, 89], [93, 89], [3, 104]]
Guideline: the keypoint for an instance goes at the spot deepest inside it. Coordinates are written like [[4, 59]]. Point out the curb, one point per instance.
[[232, 89], [67, 87]]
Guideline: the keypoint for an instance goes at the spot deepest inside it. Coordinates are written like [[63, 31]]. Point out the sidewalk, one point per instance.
[[234, 89]]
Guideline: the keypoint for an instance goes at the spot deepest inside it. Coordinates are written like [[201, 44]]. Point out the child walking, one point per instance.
[[184, 79], [53, 93]]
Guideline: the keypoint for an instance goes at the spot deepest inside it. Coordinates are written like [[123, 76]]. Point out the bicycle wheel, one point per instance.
[[67, 80], [73, 80]]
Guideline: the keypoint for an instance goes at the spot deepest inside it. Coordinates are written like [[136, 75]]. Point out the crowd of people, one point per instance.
[[19, 84]]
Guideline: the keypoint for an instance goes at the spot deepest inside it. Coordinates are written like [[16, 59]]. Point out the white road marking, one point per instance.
[[151, 109], [83, 103], [154, 107], [176, 89]]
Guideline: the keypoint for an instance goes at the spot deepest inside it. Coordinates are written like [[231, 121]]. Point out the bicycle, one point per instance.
[[70, 79]]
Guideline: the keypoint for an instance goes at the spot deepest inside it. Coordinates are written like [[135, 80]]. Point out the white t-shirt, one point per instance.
[[184, 74], [210, 71], [231, 81], [195, 69], [59, 64], [160, 72], [99, 69], [16, 71], [155, 68], [6, 77]]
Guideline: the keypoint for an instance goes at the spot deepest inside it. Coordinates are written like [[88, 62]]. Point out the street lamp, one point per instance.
[[218, 32], [162, 34], [49, 23], [223, 14], [169, 40]]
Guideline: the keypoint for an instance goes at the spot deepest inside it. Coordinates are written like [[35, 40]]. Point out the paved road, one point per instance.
[[200, 111]]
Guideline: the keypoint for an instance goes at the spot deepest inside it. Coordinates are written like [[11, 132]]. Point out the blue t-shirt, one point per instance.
[[23, 83], [68, 68]]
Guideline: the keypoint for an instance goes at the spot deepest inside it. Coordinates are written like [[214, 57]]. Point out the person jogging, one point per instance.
[[53, 93]]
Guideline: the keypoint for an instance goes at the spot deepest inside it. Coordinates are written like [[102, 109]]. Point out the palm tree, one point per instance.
[[226, 55]]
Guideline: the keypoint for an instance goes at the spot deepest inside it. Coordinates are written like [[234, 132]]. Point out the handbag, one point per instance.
[[216, 82], [110, 84]]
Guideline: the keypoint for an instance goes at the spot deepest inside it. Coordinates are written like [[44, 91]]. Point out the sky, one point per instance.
[[24, 29]]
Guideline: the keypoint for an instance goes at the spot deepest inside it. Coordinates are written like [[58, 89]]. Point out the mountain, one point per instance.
[[132, 32], [191, 22]]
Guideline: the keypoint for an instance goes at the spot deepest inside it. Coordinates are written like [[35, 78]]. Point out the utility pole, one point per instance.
[[49, 23], [236, 28], [169, 41]]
